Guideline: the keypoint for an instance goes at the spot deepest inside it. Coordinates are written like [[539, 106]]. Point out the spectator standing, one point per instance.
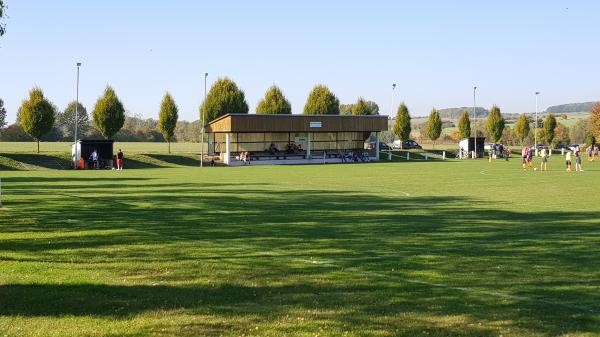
[[120, 160]]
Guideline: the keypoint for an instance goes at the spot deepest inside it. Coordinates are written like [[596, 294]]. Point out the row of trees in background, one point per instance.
[[494, 128], [39, 119], [225, 97]]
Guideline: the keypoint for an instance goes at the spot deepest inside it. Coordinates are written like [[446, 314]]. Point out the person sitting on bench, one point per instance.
[[93, 160], [272, 149]]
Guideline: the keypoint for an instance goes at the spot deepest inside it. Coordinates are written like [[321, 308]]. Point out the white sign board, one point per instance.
[[315, 124]]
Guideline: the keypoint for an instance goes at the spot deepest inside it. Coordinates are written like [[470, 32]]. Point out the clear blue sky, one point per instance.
[[435, 50]]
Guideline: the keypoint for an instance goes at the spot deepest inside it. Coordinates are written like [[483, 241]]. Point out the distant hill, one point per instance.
[[571, 107], [455, 113]]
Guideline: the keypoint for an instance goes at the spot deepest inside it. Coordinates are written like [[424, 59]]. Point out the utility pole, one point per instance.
[[474, 120], [537, 93], [76, 116], [202, 121]]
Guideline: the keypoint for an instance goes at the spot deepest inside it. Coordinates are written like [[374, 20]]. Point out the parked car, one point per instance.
[[408, 145], [382, 146], [567, 146]]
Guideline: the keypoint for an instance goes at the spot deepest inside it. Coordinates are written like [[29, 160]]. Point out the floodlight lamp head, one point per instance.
[[79, 64], [537, 92], [205, 74], [394, 86]]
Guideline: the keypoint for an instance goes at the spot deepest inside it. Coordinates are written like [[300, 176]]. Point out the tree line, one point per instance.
[[494, 128], [39, 119]]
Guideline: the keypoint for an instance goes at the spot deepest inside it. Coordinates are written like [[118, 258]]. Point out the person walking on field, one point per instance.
[[544, 165], [524, 156], [568, 160], [578, 160], [120, 160]]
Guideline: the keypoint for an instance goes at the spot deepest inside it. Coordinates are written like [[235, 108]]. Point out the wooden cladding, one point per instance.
[[297, 123]]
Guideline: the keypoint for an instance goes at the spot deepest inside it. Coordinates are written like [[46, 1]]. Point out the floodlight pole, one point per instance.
[[390, 116], [474, 121], [392, 106], [203, 113], [536, 123], [76, 113]]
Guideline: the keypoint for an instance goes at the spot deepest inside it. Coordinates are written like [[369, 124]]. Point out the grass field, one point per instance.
[[129, 147], [387, 249]]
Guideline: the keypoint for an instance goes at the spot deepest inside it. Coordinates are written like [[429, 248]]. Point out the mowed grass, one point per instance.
[[387, 249], [128, 147]]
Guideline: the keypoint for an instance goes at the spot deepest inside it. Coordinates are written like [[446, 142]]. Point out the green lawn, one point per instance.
[[128, 147], [386, 249]]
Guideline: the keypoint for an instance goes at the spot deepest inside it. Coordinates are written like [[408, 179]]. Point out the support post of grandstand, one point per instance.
[[407, 155], [308, 155], [227, 148], [377, 145], [390, 154], [426, 156], [443, 155]]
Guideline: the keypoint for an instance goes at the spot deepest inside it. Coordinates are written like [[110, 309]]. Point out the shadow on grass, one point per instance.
[[175, 159], [40, 160], [474, 254], [230, 301]]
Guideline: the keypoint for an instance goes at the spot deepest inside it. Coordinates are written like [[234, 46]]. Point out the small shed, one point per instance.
[[84, 148], [470, 144]]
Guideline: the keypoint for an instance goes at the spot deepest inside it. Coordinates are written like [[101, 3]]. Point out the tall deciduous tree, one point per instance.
[[495, 124], [549, 128], [36, 115], [401, 126], [522, 128], [434, 125], [321, 101], [346, 109], [2, 15], [595, 120], [464, 125], [223, 98], [2, 114], [274, 103], [579, 132], [65, 121], [109, 114], [561, 135], [361, 108], [167, 118]]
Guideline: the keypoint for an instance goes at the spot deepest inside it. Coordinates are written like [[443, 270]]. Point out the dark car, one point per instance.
[[382, 146], [408, 145]]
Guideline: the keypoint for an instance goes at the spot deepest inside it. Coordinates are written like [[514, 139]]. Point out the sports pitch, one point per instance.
[[388, 249]]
